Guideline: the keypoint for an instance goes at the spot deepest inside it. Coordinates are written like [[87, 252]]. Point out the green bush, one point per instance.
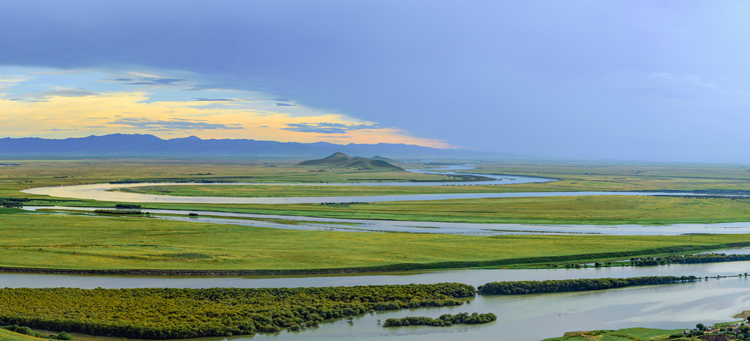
[[63, 336], [165, 313]]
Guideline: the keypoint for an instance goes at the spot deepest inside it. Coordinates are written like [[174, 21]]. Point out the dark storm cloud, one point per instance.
[[547, 72]]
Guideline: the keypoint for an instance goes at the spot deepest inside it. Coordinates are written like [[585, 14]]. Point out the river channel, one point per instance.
[[108, 192], [527, 317]]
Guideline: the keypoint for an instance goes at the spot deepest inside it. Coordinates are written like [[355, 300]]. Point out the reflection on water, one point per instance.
[[103, 192], [530, 317], [535, 317], [365, 225]]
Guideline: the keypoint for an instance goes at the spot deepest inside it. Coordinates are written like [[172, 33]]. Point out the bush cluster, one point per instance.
[[164, 313], [536, 287], [444, 320], [27, 331], [689, 259]]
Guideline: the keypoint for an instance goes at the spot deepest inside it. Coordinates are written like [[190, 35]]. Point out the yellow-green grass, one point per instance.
[[7, 335], [625, 176], [586, 210], [39, 173], [574, 177], [627, 334], [309, 190], [562, 210], [81, 242]]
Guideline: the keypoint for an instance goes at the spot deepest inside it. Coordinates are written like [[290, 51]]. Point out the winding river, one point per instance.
[[530, 317], [108, 192]]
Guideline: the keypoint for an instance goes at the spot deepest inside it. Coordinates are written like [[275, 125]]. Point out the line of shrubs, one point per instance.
[[27, 331], [689, 259], [444, 320], [537, 287], [120, 212]]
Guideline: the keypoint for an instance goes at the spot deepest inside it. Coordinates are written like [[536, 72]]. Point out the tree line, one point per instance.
[[537, 287], [689, 259]]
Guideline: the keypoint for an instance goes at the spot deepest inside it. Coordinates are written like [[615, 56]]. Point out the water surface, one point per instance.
[[528, 317]]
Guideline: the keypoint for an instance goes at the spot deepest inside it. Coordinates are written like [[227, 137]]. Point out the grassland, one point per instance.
[[96, 243], [82, 242], [6, 335], [553, 210], [627, 334], [588, 210], [573, 177], [39, 173], [310, 191]]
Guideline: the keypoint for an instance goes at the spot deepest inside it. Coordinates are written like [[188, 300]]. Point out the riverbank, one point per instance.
[[100, 243]]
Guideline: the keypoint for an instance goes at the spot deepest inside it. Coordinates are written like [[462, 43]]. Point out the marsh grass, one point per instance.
[[573, 210], [7, 335], [620, 334], [605, 210], [95, 242]]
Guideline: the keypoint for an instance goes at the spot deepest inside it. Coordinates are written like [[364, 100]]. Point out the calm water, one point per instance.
[[103, 192], [530, 317], [363, 225]]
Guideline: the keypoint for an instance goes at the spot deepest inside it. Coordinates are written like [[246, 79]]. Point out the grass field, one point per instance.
[[628, 334], [310, 191], [587, 210], [37, 173], [82, 242], [78, 242], [554, 210], [6, 335], [574, 177]]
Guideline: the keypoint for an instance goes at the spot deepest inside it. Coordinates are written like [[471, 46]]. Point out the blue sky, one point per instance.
[[657, 81]]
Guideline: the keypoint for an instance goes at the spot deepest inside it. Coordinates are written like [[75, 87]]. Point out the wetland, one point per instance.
[[497, 232]]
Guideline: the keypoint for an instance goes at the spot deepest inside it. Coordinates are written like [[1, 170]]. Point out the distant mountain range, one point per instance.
[[341, 160], [137, 145]]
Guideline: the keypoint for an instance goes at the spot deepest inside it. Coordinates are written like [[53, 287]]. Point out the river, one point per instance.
[[527, 317]]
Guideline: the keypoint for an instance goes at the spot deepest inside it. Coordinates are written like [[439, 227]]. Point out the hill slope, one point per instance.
[[341, 160]]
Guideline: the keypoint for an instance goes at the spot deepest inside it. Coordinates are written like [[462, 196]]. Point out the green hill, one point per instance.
[[341, 160], [7, 335]]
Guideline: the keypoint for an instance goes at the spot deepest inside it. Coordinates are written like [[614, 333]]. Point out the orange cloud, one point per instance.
[[72, 114]]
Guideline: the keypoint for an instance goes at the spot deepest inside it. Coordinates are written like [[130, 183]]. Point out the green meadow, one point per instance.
[[586, 210], [7, 335], [106, 242], [605, 210], [627, 334], [99, 242]]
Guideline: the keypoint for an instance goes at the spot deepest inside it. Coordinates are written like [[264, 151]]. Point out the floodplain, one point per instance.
[[75, 241]]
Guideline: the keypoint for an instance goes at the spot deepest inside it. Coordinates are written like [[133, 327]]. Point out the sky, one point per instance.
[[600, 80]]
